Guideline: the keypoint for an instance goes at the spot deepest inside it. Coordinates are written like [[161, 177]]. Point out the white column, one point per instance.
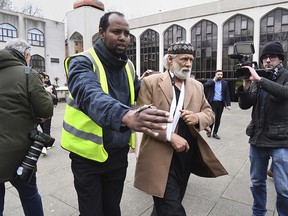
[[256, 39], [138, 55], [219, 46], [161, 51]]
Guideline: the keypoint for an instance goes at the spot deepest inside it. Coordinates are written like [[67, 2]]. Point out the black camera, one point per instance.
[[28, 166], [243, 51]]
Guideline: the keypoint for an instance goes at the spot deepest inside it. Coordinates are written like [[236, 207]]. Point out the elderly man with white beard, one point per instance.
[[165, 163]]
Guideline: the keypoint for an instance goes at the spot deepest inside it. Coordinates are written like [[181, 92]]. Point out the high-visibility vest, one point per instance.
[[80, 134]]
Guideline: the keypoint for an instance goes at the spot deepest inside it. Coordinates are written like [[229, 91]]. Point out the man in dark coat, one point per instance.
[[217, 94], [17, 96], [268, 130]]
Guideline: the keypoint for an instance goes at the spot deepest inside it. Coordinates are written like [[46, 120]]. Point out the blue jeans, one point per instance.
[[259, 158], [29, 196]]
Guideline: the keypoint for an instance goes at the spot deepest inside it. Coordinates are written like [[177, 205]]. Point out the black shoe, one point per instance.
[[208, 134], [216, 136]]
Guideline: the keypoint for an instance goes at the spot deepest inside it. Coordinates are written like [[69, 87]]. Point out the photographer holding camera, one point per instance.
[[22, 99], [268, 129]]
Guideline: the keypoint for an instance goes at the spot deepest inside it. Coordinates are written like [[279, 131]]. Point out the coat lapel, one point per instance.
[[166, 86]]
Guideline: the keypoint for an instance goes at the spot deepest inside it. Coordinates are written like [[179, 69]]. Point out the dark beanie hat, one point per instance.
[[273, 48]]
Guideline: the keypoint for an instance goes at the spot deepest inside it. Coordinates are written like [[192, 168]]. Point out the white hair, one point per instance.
[[165, 60], [18, 44]]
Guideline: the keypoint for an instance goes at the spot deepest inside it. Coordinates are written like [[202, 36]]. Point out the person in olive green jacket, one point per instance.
[[16, 120]]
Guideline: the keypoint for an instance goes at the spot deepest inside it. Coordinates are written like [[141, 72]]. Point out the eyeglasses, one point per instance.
[[271, 57]]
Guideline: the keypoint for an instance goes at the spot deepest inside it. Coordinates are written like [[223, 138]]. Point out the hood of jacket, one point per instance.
[[11, 57]]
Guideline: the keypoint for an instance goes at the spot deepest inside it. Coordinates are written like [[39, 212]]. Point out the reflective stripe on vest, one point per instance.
[[80, 134]]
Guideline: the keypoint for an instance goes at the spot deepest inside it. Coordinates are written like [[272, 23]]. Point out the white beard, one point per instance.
[[181, 73]]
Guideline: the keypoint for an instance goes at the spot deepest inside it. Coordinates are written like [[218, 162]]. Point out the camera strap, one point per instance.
[[27, 71]]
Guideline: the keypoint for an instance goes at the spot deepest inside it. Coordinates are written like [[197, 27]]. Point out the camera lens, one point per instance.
[[242, 73], [27, 167]]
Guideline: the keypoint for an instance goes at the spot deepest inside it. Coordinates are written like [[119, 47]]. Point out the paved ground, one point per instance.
[[224, 196]]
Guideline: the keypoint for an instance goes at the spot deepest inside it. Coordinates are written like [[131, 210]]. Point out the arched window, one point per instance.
[[131, 51], [149, 51], [76, 40], [36, 37], [7, 31], [173, 34], [274, 27], [239, 28], [204, 40], [38, 63]]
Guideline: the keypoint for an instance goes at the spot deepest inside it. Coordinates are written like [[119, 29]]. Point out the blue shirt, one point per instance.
[[218, 91]]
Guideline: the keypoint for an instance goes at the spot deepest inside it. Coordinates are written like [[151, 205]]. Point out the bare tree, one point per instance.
[[31, 10], [6, 4]]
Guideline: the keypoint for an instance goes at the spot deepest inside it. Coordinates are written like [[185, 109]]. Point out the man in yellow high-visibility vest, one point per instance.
[[99, 119]]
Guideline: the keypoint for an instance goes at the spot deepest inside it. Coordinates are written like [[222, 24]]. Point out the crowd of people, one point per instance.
[[108, 103]]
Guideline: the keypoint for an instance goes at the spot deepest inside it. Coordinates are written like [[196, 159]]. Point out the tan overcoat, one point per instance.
[[155, 156]]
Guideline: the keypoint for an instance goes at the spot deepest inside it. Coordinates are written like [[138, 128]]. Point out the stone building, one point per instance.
[[212, 28], [47, 38]]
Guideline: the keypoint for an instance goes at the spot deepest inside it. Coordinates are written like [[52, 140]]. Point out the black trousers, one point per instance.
[[217, 107], [46, 126], [99, 186], [179, 173]]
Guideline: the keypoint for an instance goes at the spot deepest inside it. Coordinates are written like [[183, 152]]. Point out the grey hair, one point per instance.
[[165, 60], [18, 44]]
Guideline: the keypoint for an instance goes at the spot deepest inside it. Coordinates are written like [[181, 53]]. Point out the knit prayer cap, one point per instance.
[[181, 48]]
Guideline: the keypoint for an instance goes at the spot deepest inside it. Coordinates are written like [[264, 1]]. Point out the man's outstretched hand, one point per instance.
[[147, 119]]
